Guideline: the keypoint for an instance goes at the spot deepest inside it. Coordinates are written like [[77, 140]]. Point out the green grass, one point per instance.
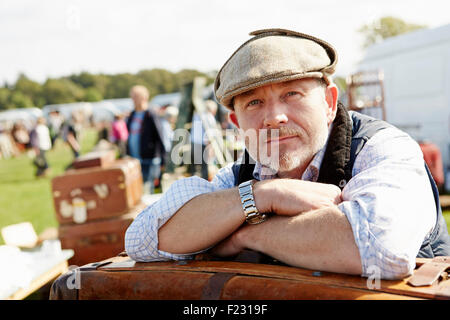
[[447, 219], [23, 197]]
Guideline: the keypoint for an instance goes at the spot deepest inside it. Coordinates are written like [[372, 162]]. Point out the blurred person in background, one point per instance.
[[169, 115], [168, 122], [145, 140], [119, 134], [199, 138], [7, 145], [71, 135], [41, 143], [104, 128], [55, 122], [21, 136]]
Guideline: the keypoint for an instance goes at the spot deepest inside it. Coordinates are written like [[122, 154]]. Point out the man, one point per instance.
[[168, 124], [144, 139], [55, 122], [41, 142], [71, 129], [347, 193], [119, 134]]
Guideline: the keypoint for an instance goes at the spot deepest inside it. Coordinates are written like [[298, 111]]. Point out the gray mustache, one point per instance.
[[267, 134]]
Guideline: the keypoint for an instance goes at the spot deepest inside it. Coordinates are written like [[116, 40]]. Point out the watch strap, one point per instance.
[[252, 215]]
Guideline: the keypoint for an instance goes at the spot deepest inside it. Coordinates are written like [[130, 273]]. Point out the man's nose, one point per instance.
[[275, 116]]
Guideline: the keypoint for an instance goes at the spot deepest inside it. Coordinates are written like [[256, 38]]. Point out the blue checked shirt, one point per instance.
[[388, 202]]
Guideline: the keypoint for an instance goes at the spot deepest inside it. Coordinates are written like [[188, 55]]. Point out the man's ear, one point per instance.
[[233, 118], [331, 96]]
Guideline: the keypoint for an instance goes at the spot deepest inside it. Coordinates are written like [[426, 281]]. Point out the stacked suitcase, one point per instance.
[[95, 203]]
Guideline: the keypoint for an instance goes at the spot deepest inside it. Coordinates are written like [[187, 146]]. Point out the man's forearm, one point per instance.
[[320, 240], [202, 222], [210, 218]]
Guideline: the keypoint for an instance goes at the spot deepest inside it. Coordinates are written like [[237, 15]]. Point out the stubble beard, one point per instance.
[[279, 161]]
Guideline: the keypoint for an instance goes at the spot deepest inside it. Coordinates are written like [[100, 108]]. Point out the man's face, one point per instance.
[[139, 99], [298, 111]]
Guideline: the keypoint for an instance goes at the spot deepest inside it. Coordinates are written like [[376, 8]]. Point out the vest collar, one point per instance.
[[337, 155]]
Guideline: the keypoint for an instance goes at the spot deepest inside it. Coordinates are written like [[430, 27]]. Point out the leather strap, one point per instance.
[[444, 288], [213, 288], [429, 272], [61, 291]]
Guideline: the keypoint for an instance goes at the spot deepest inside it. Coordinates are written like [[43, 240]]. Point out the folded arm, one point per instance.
[[308, 230], [141, 237], [202, 222], [319, 238]]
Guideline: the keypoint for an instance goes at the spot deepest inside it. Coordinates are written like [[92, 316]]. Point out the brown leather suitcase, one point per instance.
[[122, 278], [82, 195], [98, 239]]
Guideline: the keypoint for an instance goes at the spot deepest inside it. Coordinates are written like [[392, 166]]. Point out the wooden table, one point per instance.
[[45, 269]]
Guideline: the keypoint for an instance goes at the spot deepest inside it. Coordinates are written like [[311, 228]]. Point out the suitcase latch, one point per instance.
[[430, 272]]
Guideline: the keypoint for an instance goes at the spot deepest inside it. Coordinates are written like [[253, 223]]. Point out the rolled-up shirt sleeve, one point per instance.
[[389, 204], [141, 237]]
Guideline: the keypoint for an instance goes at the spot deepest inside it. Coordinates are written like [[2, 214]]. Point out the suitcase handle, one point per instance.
[[97, 239]]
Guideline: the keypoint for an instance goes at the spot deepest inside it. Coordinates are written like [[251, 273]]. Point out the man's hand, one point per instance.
[[309, 240], [291, 197], [230, 246], [286, 197]]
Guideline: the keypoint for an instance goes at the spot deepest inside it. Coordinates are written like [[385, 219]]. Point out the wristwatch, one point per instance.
[[252, 215]]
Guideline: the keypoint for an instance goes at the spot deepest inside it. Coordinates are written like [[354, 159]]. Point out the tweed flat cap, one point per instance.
[[272, 56]]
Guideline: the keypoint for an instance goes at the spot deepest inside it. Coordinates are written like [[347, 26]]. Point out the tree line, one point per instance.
[[85, 86], [95, 87]]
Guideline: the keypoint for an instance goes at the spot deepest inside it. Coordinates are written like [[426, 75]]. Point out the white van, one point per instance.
[[416, 70]]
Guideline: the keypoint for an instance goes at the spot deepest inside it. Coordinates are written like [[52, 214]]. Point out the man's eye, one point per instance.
[[254, 102], [291, 93]]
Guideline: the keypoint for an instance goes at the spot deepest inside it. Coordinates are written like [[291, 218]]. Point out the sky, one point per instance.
[[54, 38]]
